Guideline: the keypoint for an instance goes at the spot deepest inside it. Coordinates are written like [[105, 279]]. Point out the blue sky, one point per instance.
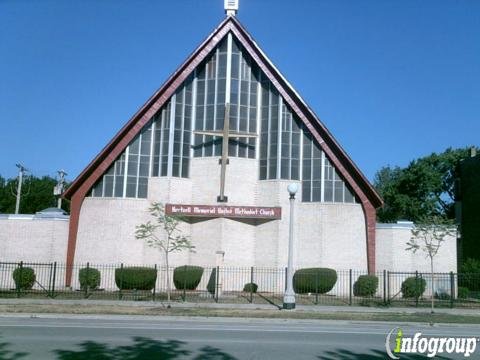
[[392, 80]]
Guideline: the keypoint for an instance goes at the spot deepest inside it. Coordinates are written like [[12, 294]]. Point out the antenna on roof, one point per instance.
[[231, 7]]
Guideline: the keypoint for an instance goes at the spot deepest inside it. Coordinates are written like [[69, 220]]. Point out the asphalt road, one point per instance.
[[113, 337]]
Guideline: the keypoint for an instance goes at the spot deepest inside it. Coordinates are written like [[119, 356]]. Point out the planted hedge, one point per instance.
[[135, 278], [89, 278], [24, 278], [366, 285], [463, 292], [413, 287], [250, 287], [314, 280], [187, 277]]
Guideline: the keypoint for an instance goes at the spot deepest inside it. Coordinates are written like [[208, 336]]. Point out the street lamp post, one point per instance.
[[289, 297]]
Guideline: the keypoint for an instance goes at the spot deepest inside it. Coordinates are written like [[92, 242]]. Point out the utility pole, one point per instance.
[[21, 170], [58, 189]]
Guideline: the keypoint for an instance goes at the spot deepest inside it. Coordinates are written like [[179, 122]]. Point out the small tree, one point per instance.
[[172, 239], [428, 236]]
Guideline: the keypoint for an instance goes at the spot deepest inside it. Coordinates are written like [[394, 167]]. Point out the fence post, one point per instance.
[[350, 288], [121, 282], [251, 284], [452, 289], [217, 277], [384, 287], [417, 288], [388, 287], [87, 283], [184, 283], [54, 279], [155, 286], [49, 291], [19, 283], [316, 287]]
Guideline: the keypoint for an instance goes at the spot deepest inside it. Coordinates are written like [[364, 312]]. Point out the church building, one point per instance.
[[219, 143]]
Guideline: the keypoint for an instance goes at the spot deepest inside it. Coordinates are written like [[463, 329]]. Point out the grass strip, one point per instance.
[[239, 313]]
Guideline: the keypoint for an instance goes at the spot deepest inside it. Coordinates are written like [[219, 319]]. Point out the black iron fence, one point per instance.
[[237, 285]]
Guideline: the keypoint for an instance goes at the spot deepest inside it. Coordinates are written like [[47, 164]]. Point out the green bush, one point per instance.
[[413, 287], [469, 276], [135, 277], [187, 277], [463, 292], [442, 295], [366, 285], [212, 282], [314, 280], [24, 278], [250, 287], [89, 278]]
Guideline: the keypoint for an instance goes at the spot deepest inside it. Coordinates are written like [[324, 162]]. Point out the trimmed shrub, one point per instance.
[[463, 292], [314, 280], [442, 295], [250, 287], [212, 282], [24, 278], [413, 287], [89, 278], [187, 277], [366, 285], [135, 278], [469, 276]]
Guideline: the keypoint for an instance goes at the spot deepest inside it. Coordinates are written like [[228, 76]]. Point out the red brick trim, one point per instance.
[[75, 207]]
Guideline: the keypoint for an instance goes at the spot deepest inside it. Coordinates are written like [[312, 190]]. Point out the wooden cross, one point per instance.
[[226, 134]]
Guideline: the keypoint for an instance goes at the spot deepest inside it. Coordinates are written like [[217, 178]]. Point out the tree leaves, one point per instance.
[[424, 188]]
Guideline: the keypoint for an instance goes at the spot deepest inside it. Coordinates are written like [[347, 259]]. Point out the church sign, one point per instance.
[[219, 211]]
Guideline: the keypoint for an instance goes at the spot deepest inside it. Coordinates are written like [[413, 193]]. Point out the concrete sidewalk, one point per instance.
[[226, 306]]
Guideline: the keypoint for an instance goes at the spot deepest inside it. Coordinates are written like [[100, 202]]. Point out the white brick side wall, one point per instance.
[[33, 240]]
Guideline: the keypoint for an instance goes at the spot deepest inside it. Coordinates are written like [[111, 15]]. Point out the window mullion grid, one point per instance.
[[300, 156], [269, 133], [259, 116], [279, 137], [162, 134], [323, 173], [152, 148], [194, 115], [114, 177], [249, 104], [228, 77], [239, 92], [125, 175], [182, 131], [139, 156], [217, 60], [103, 186], [312, 162], [290, 121], [171, 135], [204, 125]]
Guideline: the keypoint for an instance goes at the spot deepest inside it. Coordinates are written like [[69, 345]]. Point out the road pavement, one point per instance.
[[70, 337]]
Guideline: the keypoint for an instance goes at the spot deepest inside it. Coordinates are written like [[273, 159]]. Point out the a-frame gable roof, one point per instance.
[[344, 165]]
